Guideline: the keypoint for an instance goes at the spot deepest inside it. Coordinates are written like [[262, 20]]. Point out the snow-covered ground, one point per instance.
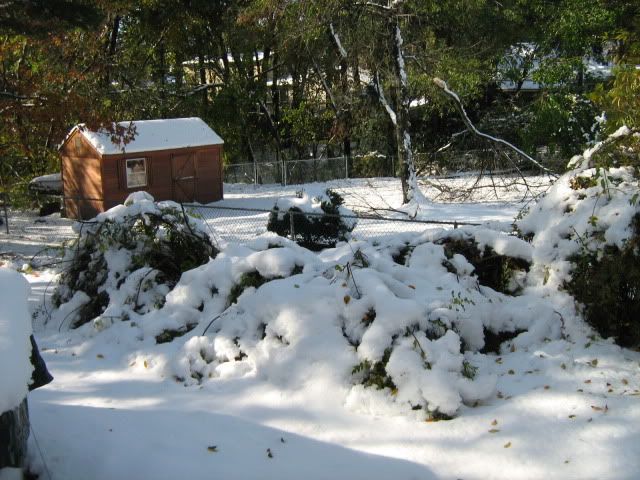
[[31, 235], [564, 404]]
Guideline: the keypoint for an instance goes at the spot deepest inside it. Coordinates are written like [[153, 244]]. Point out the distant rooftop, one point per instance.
[[153, 135]]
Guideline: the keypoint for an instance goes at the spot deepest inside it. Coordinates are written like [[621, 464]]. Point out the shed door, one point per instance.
[[183, 173]]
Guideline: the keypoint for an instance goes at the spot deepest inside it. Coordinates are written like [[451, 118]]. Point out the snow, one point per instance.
[[269, 390], [15, 346], [51, 184], [153, 135]]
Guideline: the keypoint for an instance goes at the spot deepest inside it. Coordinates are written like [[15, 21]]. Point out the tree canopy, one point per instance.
[[281, 79]]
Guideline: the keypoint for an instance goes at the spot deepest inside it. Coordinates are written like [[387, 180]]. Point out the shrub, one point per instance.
[[137, 251], [318, 221], [607, 285]]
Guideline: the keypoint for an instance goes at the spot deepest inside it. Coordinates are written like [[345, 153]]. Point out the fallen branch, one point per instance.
[[467, 121]]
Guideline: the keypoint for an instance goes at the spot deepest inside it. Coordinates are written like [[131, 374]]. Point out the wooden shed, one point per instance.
[[176, 159]]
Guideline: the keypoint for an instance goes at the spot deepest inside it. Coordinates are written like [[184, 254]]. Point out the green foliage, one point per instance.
[[374, 374], [562, 122], [624, 151], [248, 279], [313, 231], [469, 371], [607, 285], [372, 164]]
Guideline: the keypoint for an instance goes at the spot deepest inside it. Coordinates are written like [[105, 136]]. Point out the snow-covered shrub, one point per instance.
[[585, 239], [501, 272], [607, 284], [405, 337], [318, 219], [127, 259]]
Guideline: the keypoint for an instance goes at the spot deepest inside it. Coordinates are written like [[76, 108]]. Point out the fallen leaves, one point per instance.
[[507, 445]]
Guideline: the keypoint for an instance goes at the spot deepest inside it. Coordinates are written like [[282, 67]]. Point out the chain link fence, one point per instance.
[[229, 224], [295, 172], [26, 234]]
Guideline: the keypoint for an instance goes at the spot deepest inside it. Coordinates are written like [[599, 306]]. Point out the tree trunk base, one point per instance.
[[14, 433]]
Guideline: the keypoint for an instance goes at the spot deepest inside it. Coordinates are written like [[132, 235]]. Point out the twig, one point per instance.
[[226, 312], [350, 272]]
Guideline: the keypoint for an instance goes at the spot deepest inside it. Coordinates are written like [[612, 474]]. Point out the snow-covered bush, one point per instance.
[[317, 218], [400, 337], [127, 259], [585, 238], [607, 284]]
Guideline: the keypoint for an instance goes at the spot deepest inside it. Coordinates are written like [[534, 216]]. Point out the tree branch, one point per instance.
[[467, 121]]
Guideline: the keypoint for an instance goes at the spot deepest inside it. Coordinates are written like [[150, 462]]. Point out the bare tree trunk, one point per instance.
[[410, 189]]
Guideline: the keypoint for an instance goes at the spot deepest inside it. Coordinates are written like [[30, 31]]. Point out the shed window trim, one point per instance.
[[136, 172]]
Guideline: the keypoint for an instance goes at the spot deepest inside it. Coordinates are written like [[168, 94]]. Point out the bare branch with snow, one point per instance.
[[467, 121]]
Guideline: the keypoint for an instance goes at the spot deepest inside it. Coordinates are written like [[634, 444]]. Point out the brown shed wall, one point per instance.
[[81, 179], [93, 183], [162, 172]]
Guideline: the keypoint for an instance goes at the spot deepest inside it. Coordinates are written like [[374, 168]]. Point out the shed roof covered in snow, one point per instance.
[[152, 135]]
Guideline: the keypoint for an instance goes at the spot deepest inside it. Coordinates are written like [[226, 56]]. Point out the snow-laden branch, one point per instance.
[[378, 6], [586, 159], [336, 39], [404, 83], [325, 86], [467, 121], [378, 88]]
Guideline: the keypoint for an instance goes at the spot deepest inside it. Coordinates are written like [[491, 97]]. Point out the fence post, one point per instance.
[[292, 226], [346, 167], [284, 172], [455, 225], [5, 200]]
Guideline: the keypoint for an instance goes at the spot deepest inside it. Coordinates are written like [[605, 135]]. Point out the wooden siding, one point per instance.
[[209, 175], [160, 184], [81, 179]]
